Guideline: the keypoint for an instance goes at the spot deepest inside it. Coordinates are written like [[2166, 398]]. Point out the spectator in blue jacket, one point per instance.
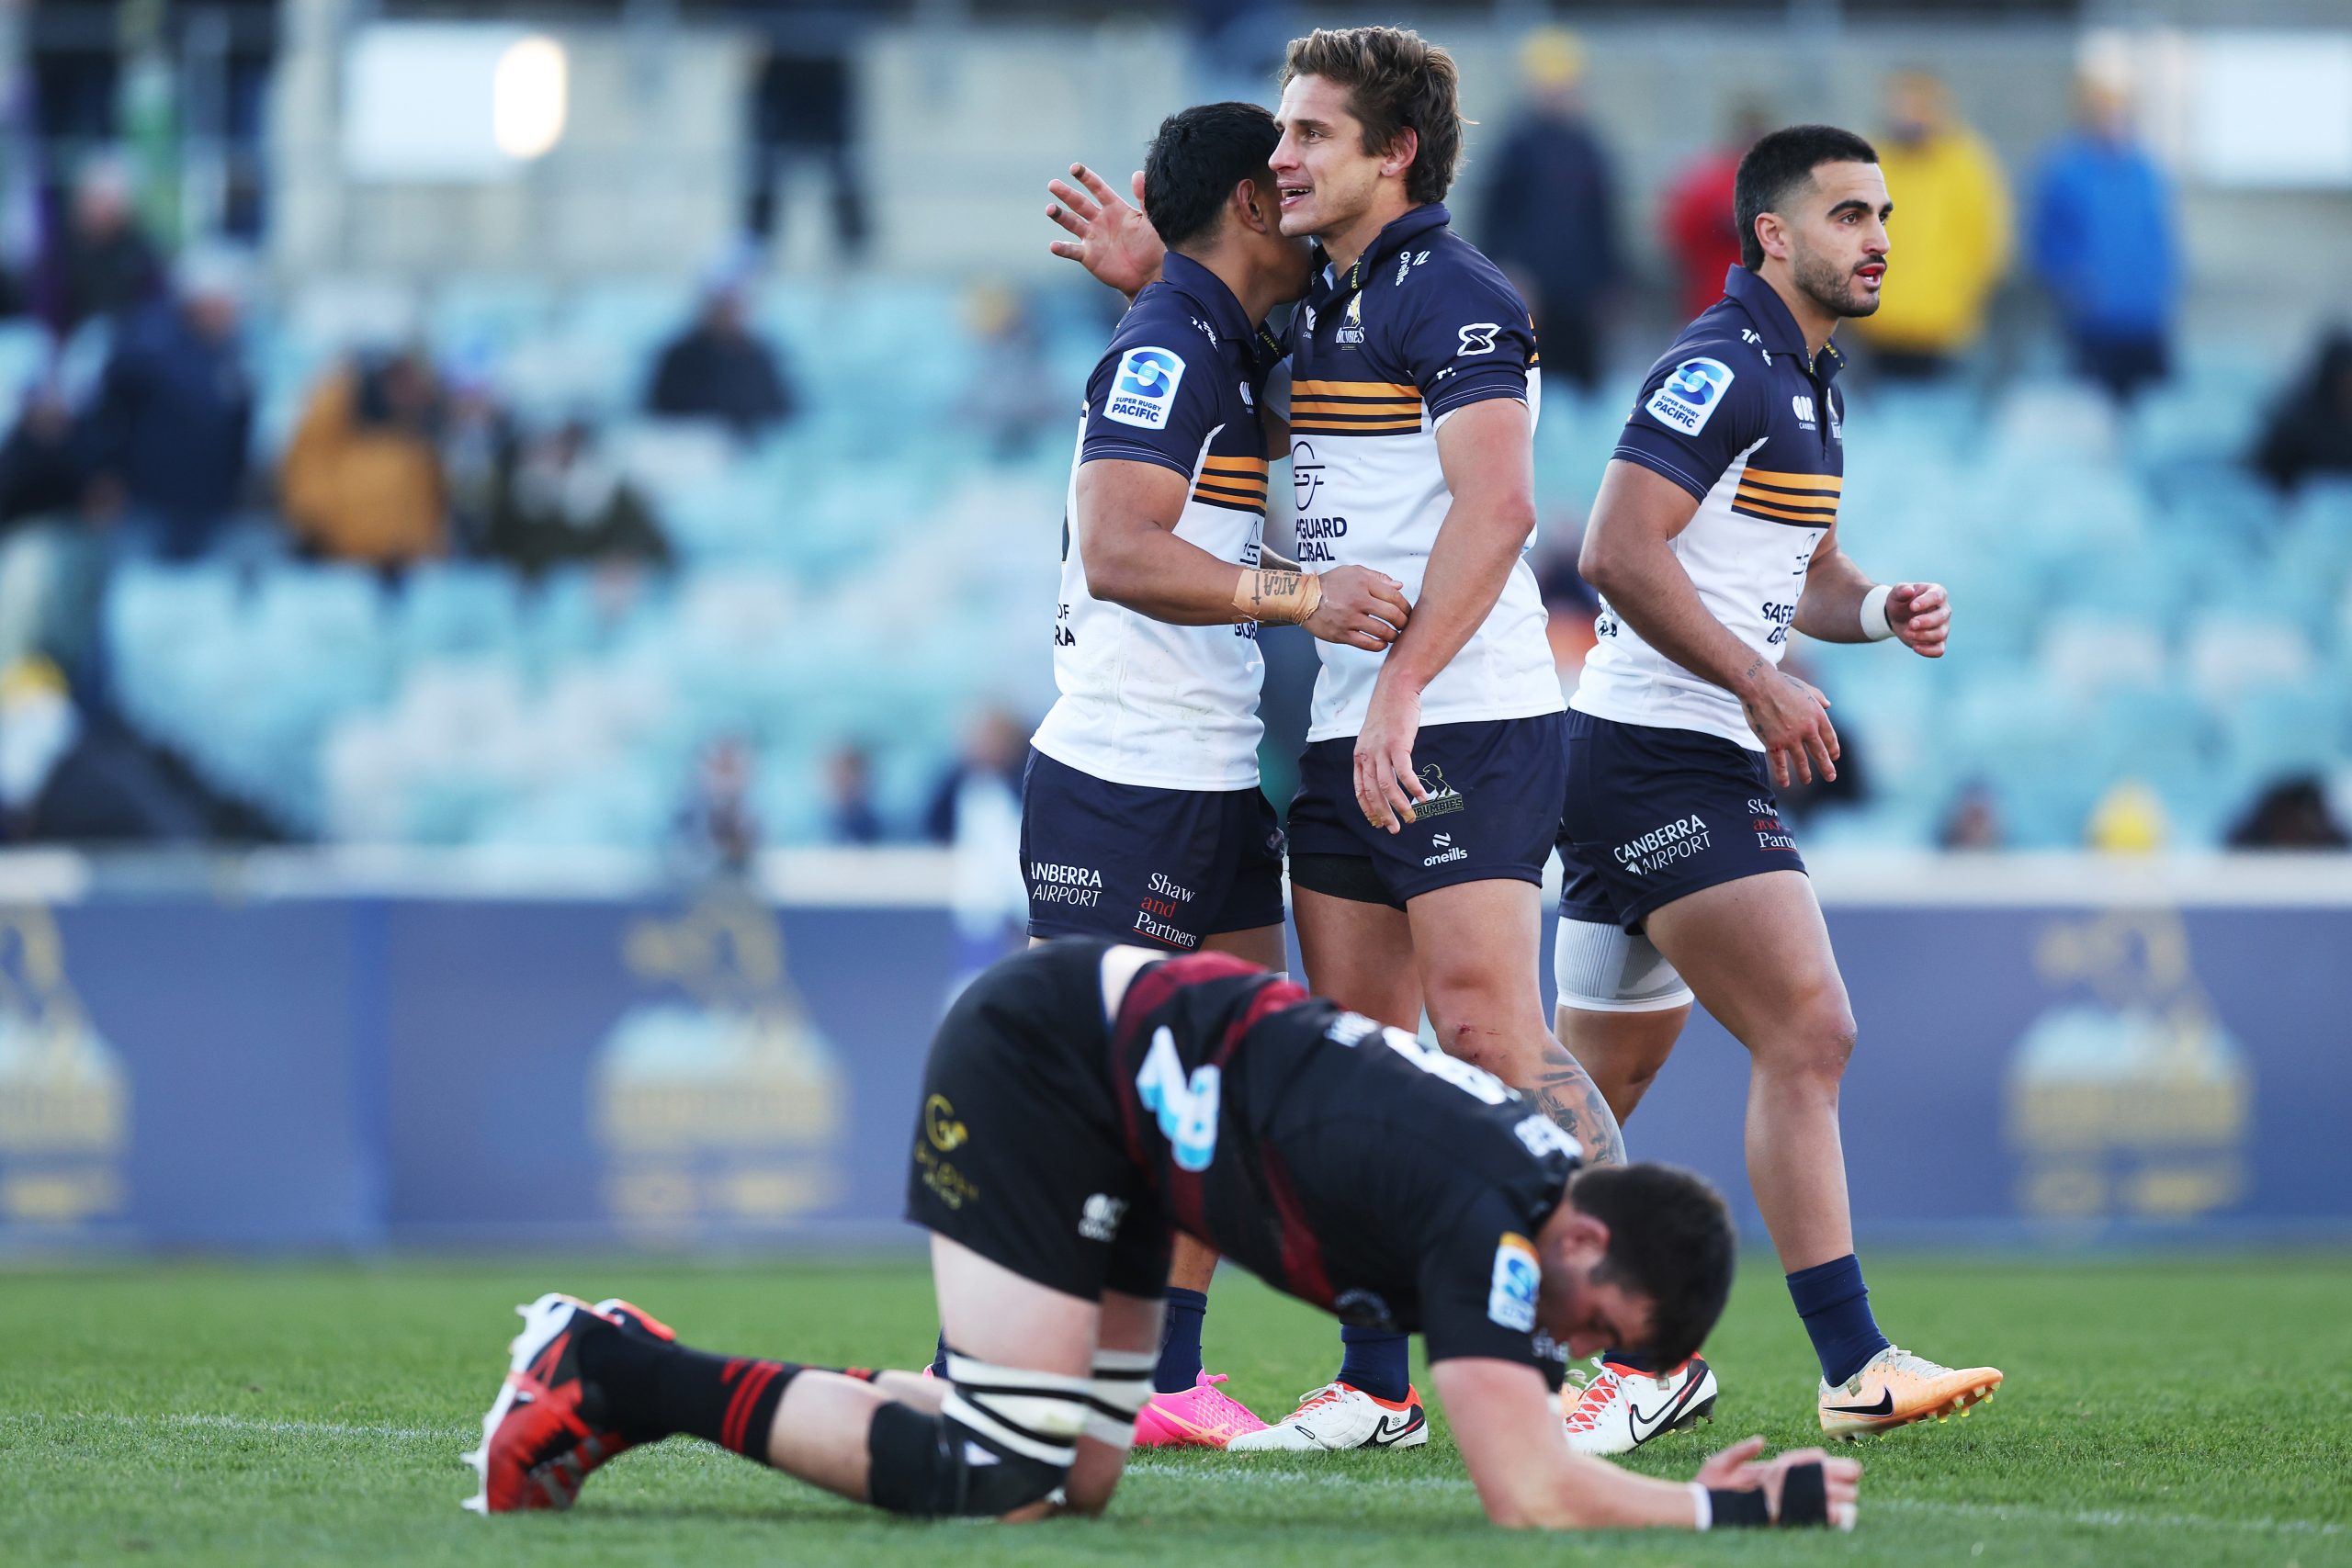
[[2104, 243], [174, 410]]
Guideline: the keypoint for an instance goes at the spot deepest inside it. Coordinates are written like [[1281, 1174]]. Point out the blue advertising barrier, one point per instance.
[[350, 1068]]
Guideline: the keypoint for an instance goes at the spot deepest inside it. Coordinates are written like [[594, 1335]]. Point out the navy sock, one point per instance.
[[1835, 1306], [939, 1358], [1180, 1342], [1374, 1360], [1648, 1366]]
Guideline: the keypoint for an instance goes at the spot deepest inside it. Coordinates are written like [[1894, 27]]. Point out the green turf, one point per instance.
[[2178, 1413]]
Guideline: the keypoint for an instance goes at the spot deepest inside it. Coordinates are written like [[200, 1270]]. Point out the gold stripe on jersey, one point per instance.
[[1390, 391], [1810, 483], [1237, 482], [1752, 508], [1354, 408]]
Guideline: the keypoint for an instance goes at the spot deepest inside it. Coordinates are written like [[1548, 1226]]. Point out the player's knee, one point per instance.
[[1819, 1040], [1004, 1439]]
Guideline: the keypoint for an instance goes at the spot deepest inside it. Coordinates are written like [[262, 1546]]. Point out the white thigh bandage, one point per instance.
[[1116, 1394], [1604, 967], [1038, 1414]]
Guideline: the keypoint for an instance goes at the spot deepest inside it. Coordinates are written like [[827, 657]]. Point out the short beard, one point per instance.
[[1833, 291]]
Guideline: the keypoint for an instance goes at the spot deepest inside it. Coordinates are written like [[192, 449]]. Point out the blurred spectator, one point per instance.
[[1570, 607], [2290, 815], [2129, 821], [803, 112], [478, 452], [362, 476], [718, 370], [1951, 232], [100, 264], [1550, 217], [850, 814], [2309, 429], [51, 553], [564, 501], [66, 779], [1015, 397], [1972, 823], [2104, 244], [1697, 222], [975, 810], [717, 831], [174, 412]]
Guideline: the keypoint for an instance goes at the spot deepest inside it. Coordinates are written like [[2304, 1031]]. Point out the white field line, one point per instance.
[[1254, 1474]]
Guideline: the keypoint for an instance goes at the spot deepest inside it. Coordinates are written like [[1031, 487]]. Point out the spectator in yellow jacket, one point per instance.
[[361, 480], [1950, 231]]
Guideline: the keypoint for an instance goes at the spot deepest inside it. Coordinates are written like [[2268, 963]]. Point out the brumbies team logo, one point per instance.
[[1351, 323], [1688, 397], [1443, 800], [1145, 389]]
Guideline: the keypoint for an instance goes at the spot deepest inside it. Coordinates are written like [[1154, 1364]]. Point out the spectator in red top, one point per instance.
[[1699, 227]]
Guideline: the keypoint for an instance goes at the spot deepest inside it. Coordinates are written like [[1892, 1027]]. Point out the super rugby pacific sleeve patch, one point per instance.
[[1510, 1294], [1690, 395], [1143, 392]]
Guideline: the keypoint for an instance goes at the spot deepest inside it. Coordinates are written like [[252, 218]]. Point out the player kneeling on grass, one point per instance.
[[1084, 1103]]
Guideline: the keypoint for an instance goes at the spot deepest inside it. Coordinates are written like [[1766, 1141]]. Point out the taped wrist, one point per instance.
[[1283, 598], [1737, 1510], [1876, 625], [1804, 1495], [1118, 1391]]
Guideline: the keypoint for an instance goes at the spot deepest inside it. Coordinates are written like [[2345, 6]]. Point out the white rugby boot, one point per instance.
[[1341, 1416], [1621, 1408]]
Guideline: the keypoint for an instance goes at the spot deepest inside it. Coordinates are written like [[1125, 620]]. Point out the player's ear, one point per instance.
[[1253, 204], [1580, 1242], [1403, 148], [1772, 234]]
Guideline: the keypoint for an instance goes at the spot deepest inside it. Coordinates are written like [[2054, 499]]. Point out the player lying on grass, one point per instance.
[[1086, 1102]]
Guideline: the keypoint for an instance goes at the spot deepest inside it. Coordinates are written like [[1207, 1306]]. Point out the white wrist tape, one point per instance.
[[1706, 1505], [1875, 625]]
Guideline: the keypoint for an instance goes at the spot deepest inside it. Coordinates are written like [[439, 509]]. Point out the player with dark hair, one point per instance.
[[1429, 789], [1141, 816], [1084, 1102], [1713, 536]]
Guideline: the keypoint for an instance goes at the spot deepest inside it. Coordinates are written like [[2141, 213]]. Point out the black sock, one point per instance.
[[1648, 1366], [651, 1389]]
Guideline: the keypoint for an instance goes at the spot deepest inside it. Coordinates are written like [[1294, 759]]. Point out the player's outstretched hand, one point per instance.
[[1110, 237], [1386, 786], [1739, 1469], [1793, 720], [1361, 607], [1920, 614]]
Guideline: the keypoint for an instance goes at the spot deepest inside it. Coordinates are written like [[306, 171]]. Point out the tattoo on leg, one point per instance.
[[1569, 1097]]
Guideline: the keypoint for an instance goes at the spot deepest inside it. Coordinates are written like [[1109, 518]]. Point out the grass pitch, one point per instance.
[[2181, 1411]]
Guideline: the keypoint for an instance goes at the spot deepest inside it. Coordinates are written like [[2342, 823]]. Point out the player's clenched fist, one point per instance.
[[1920, 614], [1361, 607]]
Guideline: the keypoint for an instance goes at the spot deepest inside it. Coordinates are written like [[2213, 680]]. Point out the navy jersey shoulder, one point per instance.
[[1179, 386], [1735, 386], [1422, 322]]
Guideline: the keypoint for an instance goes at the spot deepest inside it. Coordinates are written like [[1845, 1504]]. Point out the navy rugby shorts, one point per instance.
[[1157, 867], [1653, 815], [1496, 786]]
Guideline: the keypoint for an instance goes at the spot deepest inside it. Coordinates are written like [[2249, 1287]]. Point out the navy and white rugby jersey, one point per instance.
[[1736, 415], [1143, 702], [1421, 325]]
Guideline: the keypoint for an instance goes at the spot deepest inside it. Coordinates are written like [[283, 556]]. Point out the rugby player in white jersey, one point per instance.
[[1714, 533], [1141, 816], [1429, 790]]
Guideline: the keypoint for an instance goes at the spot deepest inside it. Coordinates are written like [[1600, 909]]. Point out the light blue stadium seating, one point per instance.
[[2131, 602]]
